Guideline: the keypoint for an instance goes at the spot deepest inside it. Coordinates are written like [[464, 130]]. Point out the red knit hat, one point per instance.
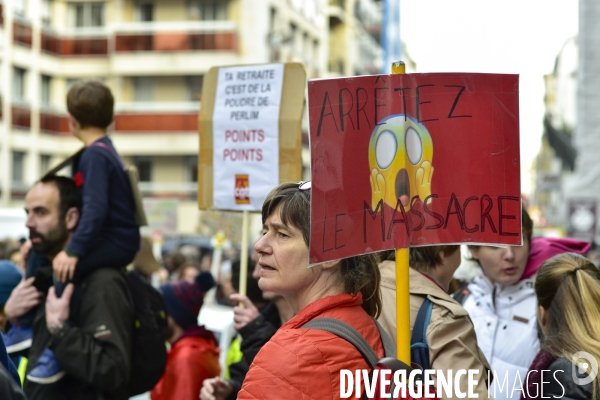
[[183, 299]]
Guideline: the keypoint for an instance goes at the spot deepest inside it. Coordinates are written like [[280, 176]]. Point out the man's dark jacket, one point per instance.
[[94, 348], [9, 389], [254, 336]]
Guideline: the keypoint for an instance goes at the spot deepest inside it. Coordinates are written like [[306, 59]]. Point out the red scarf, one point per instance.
[[542, 361]]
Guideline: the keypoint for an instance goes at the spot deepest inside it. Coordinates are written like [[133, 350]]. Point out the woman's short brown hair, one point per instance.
[[429, 256], [360, 273]]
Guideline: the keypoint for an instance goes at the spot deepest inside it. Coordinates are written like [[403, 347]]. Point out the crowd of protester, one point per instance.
[[532, 307], [71, 327]]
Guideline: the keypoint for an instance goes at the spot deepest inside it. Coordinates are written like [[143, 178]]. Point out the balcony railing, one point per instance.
[[156, 122], [129, 117], [54, 123], [22, 34], [157, 117], [176, 42], [18, 190], [158, 107], [136, 37], [168, 36], [74, 46], [21, 116]]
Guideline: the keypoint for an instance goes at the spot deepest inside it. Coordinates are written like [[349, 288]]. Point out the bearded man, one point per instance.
[[92, 341]]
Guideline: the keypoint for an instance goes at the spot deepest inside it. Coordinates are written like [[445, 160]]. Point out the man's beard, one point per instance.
[[51, 243]]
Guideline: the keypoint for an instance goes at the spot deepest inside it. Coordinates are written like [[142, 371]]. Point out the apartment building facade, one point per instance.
[[153, 54]]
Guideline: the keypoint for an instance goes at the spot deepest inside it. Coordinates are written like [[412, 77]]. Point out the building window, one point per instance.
[[46, 12], [71, 81], [191, 169], [272, 19], [144, 167], [194, 86], [207, 10], [145, 12], [86, 15], [18, 84], [18, 164], [44, 163], [143, 88], [292, 38], [45, 90], [306, 52], [19, 7]]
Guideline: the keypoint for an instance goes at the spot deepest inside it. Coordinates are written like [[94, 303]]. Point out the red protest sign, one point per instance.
[[416, 159]]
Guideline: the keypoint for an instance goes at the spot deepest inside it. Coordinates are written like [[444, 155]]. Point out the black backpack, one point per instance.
[[148, 346]]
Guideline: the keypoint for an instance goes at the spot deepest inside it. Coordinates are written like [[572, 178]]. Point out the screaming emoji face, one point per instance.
[[400, 155]]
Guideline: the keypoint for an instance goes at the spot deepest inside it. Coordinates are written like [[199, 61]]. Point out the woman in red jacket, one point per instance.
[[300, 363]]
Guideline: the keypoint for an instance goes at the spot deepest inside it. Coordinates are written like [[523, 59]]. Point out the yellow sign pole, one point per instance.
[[402, 282], [398, 67]]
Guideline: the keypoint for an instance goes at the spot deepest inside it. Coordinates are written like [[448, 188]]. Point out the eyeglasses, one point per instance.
[[304, 185]]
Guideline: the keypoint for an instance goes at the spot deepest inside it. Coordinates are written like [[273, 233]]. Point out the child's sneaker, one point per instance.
[[47, 369], [17, 339]]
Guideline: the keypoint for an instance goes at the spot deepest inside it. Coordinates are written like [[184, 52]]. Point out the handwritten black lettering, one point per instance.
[[457, 211], [342, 114], [416, 212], [502, 216], [377, 105], [360, 107], [465, 204], [460, 92], [404, 110], [326, 101], [373, 215], [419, 102], [432, 213], [336, 232], [404, 220], [485, 214]]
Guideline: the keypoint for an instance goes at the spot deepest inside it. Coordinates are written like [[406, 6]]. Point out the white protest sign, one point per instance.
[[246, 135]]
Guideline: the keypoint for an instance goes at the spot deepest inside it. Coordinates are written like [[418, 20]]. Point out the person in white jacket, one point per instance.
[[502, 305]]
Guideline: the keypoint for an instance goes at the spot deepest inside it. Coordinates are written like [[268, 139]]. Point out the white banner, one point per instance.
[[246, 136]]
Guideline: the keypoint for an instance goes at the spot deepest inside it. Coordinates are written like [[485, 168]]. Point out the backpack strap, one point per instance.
[[419, 351], [111, 150], [62, 164], [388, 343], [347, 332], [462, 293]]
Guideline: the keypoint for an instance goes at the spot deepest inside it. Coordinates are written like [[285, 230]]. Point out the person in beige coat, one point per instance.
[[450, 335]]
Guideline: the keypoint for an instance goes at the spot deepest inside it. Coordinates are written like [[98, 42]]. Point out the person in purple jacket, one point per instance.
[[107, 235]]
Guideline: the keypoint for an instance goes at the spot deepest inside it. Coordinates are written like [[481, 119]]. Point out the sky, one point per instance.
[[509, 36]]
